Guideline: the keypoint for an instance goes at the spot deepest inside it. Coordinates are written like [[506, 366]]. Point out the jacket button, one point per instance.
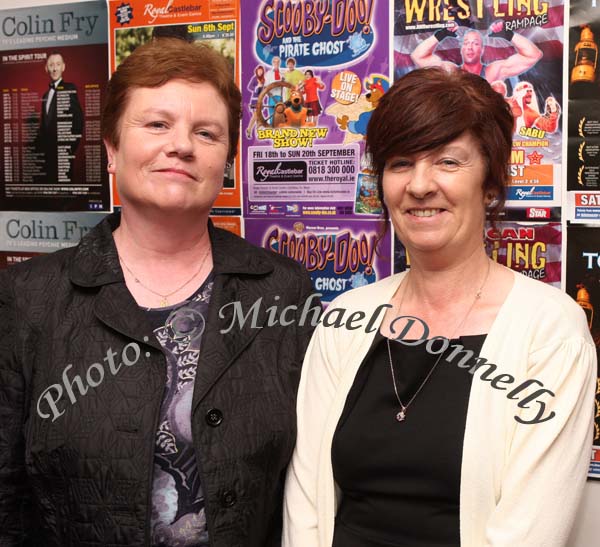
[[214, 417], [228, 498]]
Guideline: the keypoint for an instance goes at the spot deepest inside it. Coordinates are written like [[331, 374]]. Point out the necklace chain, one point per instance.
[[164, 297], [401, 416]]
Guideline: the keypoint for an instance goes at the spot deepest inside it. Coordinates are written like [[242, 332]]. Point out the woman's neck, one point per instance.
[[158, 237], [434, 285]]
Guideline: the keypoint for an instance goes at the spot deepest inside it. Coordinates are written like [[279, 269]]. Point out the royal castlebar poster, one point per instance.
[[212, 22], [517, 47], [312, 73], [583, 284], [53, 62]]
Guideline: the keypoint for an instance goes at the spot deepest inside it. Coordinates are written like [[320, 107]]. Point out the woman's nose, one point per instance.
[[180, 142], [422, 180]]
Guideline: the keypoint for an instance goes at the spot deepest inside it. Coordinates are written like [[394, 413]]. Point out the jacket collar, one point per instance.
[[96, 261]]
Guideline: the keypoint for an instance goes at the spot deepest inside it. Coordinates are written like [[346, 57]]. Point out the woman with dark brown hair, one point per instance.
[[464, 415], [147, 398]]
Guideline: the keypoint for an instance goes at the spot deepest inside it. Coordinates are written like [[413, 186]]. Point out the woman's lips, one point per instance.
[[425, 213], [175, 171]]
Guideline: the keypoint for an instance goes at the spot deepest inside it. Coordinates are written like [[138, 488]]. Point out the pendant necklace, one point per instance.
[[401, 415], [164, 297]]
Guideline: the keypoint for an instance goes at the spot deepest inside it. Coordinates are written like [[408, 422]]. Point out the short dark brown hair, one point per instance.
[[430, 107], [159, 61]]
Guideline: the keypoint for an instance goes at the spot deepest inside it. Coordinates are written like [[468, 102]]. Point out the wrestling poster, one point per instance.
[[583, 150], [53, 62], [339, 254], [530, 248], [24, 235], [583, 284], [213, 22], [517, 47], [312, 73]]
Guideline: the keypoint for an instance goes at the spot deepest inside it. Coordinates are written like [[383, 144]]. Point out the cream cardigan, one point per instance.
[[520, 484]]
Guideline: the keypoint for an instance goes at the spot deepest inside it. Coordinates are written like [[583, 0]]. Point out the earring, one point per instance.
[[109, 165], [491, 200], [228, 166]]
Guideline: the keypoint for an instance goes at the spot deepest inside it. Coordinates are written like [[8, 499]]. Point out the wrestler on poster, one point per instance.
[[213, 22], [339, 254], [312, 73], [583, 150], [52, 153], [583, 284], [517, 47]]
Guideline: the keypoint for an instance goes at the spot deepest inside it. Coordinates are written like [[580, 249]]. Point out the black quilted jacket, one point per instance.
[[83, 478]]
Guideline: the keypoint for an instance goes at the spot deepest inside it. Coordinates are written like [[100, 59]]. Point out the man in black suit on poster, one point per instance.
[[61, 123]]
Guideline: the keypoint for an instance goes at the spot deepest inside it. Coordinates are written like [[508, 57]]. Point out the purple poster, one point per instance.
[[312, 73], [339, 254]]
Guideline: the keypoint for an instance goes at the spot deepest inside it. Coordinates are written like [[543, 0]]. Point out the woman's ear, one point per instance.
[[111, 153]]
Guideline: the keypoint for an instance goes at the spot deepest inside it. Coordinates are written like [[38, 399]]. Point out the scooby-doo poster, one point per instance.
[[312, 73]]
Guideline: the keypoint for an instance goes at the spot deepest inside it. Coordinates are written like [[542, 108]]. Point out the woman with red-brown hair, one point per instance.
[[134, 409], [464, 415]]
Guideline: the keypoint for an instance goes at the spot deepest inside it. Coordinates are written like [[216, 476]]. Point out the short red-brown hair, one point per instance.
[[430, 107], [159, 61]]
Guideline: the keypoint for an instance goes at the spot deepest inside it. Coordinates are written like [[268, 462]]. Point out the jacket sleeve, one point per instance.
[[548, 461], [13, 483], [317, 391]]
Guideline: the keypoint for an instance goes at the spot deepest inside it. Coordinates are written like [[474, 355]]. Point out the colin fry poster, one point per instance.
[[52, 152]]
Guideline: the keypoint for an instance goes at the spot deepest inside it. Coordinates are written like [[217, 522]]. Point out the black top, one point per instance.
[[400, 481]]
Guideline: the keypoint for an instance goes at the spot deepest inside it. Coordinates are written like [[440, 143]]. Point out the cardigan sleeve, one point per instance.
[[547, 462], [14, 495], [315, 395]]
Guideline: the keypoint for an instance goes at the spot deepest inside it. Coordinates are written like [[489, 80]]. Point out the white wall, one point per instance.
[[586, 532]]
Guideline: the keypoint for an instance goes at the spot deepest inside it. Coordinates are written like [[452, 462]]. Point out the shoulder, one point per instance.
[[238, 253], [43, 266], [36, 282]]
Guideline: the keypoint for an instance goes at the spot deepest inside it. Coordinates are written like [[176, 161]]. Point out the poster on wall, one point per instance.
[[532, 249], [583, 284], [24, 235], [312, 74], [518, 49], [339, 254], [52, 155], [212, 22], [583, 150]]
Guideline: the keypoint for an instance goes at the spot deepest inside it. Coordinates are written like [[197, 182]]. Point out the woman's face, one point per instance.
[[435, 199], [173, 147]]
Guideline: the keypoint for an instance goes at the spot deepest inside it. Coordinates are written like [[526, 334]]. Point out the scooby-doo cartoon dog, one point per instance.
[[296, 112]]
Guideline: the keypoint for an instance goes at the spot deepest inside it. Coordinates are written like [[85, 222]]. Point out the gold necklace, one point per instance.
[[401, 416], [164, 297]]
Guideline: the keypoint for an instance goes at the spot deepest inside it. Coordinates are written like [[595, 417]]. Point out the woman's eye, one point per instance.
[[398, 164], [448, 162], [204, 134], [157, 125]]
